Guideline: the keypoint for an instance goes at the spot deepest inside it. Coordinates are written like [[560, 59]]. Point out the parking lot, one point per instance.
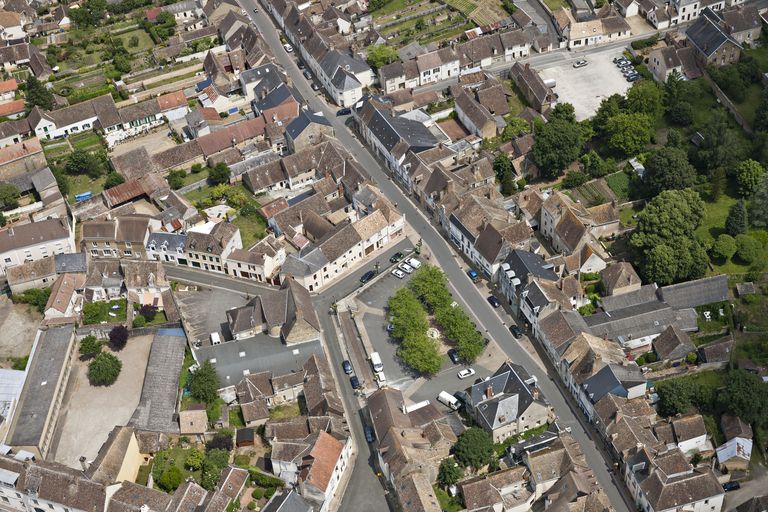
[[587, 86], [371, 305]]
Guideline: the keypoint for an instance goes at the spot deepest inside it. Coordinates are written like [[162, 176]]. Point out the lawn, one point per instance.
[[142, 477], [516, 102], [282, 412], [392, 7], [82, 183], [145, 42], [191, 178], [98, 312], [87, 141], [159, 317], [236, 418], [752, 99], [761, 56], [627, 215], [463, 6], [619, 183], [752, 311], [715, 213], [252, 228], [56, 149], [716, 323], [555, 5], [173, 457], [171, 80]]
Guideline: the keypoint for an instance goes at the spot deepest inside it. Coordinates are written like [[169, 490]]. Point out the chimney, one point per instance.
[[489, 392], [535, 393], [83, 463]]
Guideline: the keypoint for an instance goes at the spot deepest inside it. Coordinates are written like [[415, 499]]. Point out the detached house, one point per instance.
[[508, 403]]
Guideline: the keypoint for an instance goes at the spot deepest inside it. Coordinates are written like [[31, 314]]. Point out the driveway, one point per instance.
[[755, 486], [586, 87], [89, 413]]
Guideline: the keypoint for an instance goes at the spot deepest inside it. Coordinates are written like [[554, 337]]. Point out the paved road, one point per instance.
[[365, 498]]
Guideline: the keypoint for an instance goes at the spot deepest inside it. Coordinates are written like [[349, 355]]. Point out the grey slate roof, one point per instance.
[[157, 405], [695, 293], [287, 501], [74, 262], [707, 35], [305, 119], [391, 130], [512, 395], [614, 379], [343, 80], [40, 388], [525, 263]]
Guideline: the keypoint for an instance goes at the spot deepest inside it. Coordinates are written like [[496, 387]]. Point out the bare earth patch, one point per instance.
[[18, 323]]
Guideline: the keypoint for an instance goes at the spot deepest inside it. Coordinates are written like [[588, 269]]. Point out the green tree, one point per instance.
[[83, 162], [736, 223], [421, 353], [104, 369], [761, 117], [90, 347], [629, 133], [176, 178], [194, 460], [219, 174], [430, 284], [758, 205], [214, 463], [3, 220], [37, 94], [563, 112], [504, 174], [449, 473], [118, 337], [594, 165], [748, 249], [609, 107], [170, 479], [749, 174], [660, 265], [722, 146], [676, 139], [574, 179], [62, 181], [139, 322], [645, 97], [420, 24], [681, 114], [113, 179], [204, 383], [558, 143], [668, 168], [133, 42], [724, 247], [474, 449], [379, 55], [9, 196], [37, 297], [746, 396], [674, 396]]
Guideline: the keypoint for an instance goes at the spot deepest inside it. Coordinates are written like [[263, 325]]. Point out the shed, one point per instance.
[[194, 420], [244, 437]]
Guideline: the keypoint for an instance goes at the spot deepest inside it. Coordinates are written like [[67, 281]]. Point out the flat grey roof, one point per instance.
[[157, 405], [39, 391], [257, 354]]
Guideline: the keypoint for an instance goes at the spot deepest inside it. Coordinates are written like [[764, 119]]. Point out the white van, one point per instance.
[[413, 262], [449, 400], [376, 362], [215, 338]]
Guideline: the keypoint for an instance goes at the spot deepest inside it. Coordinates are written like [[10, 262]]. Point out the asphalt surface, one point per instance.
[[364, 495]]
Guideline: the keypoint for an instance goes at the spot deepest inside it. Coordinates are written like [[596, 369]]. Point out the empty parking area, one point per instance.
[[587, 86]]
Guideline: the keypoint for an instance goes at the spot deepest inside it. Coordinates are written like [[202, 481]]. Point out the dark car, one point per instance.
[[731, 486], [367, 276], [633, 78], [347, 366], [493, 301], [315, 87], [343, 112], [355, 382], [256, 11], [453, 355], [516, 331], [307, 74], [300, 64], [396, 257], [369, 434]]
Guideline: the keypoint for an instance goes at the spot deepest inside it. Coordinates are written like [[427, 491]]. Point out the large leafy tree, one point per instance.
[[722, 146], [502, 166], [724, 247], [38, 95], [90, 347], [83, 162], [118, 337], [104, 370], [219, 174], [563, 112], [558, 143], [748, 176], [430, 284], [609, 107], [746, 396], [204, 383], [379, 55], [629, 133], [758, 205], [9, 196], [449, 473], [666, 249], [668, 168], [646, 97], [748, 249], [474, 449]]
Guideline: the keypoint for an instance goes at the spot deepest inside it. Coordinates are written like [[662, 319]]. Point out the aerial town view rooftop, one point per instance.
[[384, 255]]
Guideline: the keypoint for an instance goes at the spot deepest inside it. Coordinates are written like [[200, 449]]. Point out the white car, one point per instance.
[[466, 372], [413, 262], [405, 268], [398, 273], [288, 47]]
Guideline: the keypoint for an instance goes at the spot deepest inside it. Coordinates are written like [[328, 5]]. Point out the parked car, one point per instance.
[[398, 273], [390, 327], [516, 331], [731, 486], [355, 382], [347, 366], [493, 301], [453, 355], [255, 11], [413, 262], [344, 112], [633, 78], [288, 47], [307, 74], [369, 434], [580, 63], [405, 268], [473, 275], [466, 372], [315, 87], [630, 70], [367, 276], [396, 257]]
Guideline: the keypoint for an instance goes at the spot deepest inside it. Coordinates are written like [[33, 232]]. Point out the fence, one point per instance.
[[728, 104]]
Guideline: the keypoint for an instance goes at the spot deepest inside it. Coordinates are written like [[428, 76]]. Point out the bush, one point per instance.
[[37, 297], [204, 383], [257, 493], [263, 480], [747, 248], [170, 479], [118, 337], [269, 492], [222, 440], [645, 43], [104, 370], [90, 347], [139, 322], [587, 309], [575, 179], [194, 460], [176, 178]]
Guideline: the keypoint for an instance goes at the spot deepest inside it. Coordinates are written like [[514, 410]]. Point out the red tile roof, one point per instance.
[[20, 150], [12, 107], [8, 85], [171, 100]]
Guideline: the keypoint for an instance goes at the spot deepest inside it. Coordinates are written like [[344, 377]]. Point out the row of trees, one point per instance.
[[431, 287], [409, 325]]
